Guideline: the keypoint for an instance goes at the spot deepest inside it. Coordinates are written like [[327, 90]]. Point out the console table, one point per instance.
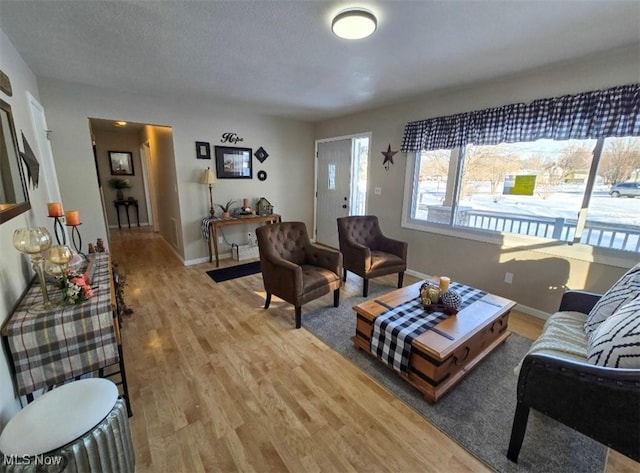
[[126, 204], [50, 348], [210, 228]]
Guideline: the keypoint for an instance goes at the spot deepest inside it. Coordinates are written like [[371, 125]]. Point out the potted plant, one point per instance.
[[119, 183], [226, 207]]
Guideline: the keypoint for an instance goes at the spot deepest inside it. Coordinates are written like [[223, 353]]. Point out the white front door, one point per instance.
[[333, 188]]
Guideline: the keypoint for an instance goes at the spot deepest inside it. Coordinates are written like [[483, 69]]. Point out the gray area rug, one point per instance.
[[478, 412]]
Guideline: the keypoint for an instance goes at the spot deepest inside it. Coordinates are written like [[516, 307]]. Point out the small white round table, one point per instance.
[[80, 426]]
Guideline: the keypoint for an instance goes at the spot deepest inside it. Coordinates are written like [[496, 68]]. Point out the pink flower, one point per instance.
[[88, 292], [78, 281]]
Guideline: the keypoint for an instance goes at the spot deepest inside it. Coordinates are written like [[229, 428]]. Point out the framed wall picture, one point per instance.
[[233, 163], [203, 150], [121, 163]]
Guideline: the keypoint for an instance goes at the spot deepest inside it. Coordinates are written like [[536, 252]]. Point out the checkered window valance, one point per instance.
[[612, 112]]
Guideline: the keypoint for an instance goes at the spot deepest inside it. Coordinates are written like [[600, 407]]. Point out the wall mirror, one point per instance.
[[14, 198]]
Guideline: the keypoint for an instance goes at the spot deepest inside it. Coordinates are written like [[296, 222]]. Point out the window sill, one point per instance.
[[556, 248]]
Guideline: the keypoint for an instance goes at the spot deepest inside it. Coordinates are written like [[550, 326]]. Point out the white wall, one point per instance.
[[163, 171], [540, 276], [15, 270], [289, 144]]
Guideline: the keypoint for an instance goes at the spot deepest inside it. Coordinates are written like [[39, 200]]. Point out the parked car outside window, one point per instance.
[[625, 189]]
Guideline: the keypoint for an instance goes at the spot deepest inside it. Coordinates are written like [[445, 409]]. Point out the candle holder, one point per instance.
[[57, 265], [58, 228], [34, 242], [76, 239]]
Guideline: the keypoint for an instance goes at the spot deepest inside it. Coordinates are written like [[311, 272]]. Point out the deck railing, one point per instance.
[[606, 235]]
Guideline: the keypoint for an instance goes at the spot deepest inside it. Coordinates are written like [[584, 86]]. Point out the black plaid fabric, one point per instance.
[[395, 329], [591, 115], [51, 347], [204, 227]]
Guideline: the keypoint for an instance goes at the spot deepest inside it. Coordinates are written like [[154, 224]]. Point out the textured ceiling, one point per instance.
[[281, 57]]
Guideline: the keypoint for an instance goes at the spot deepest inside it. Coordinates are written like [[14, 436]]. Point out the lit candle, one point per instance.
[[72, 217], [444, 283], [55, 209]]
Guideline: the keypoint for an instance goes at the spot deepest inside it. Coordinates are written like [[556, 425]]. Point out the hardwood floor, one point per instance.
[[219, 384]]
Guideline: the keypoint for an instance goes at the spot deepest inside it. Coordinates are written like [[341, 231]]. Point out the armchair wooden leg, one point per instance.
[[365, 287], [267, 301], [517, 432], [336, 297], [298, 316], [400, 279], [344, 275]]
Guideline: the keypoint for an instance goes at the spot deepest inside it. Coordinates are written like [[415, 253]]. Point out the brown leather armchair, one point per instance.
[[367, 252], [294, 269]]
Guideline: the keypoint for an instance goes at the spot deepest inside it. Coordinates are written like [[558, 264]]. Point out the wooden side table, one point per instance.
[[126, 204], [210, 228]]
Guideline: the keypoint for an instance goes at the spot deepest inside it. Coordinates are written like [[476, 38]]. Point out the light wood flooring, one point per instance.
[[219, 384]]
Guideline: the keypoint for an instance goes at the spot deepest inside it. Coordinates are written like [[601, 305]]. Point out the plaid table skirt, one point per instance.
[[395, 329], [70, 340]]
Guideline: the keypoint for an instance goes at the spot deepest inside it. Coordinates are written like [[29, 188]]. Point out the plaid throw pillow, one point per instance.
[[616, 341], [626, 289]]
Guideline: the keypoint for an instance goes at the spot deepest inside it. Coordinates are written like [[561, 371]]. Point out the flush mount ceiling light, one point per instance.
[[120, 124], [354, 24]]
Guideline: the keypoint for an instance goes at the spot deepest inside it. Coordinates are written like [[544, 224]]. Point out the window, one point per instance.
[[360, 164], [553, 168], [570, 190]]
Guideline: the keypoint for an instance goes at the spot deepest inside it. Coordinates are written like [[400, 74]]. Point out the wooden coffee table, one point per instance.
[[443, 355]]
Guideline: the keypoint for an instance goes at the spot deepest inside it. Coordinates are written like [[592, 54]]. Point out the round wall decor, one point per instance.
[[262, 175]]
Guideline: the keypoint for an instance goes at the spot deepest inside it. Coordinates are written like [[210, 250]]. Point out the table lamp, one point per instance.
[[208, 177]]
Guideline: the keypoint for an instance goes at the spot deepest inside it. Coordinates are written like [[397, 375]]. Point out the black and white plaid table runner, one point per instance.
[[395, 329], [204, 227]]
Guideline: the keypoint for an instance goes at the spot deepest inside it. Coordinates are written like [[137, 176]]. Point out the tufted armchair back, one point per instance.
[[367, 252], [287, 240], [363, 230]]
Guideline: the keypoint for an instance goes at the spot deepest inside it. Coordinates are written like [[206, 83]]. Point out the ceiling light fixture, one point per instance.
[[120, 124], [354, 23]]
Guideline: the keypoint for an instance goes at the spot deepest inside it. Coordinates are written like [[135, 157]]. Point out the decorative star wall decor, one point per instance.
[[388, 157]]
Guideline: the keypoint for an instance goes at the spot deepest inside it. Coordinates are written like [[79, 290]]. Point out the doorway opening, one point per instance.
[[150, 157]]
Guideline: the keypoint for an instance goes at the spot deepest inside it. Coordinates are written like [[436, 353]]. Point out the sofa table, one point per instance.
[[442, 355], [210, 228], [62, 344]]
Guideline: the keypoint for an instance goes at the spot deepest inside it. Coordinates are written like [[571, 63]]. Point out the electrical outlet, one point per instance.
[[508, 278], [377, 191], [220, 239]]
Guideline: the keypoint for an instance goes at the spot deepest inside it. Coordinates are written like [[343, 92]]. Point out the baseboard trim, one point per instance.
[[525, 309], [175, 252], [205, 259]]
